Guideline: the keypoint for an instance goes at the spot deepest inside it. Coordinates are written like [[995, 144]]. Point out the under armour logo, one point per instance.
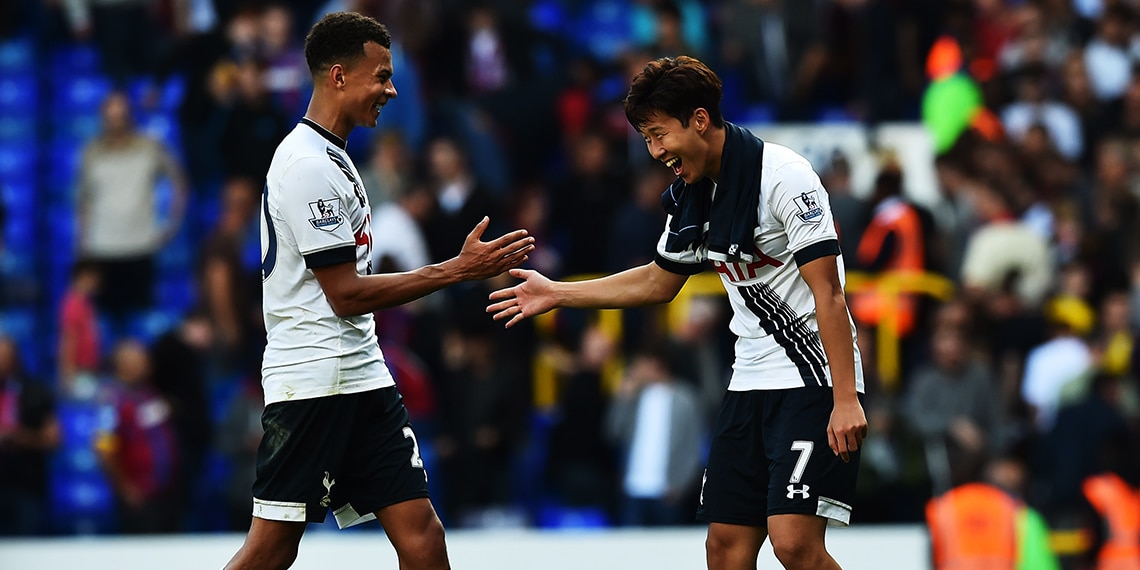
[[328, 483], [792, 490]]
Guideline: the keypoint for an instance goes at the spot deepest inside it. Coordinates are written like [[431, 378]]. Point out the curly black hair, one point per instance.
[[339, 37]]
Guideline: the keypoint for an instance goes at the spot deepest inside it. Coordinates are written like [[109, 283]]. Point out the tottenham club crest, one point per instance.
[[326, 214], [808, 204]]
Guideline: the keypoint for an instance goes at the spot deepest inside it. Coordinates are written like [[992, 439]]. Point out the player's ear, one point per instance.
[[336, 75], [701, 119]]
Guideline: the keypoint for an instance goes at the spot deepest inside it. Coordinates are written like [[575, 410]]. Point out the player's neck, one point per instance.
[[715, 138], [329, 117]]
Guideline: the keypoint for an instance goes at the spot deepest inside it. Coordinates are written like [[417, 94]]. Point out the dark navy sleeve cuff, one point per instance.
[[816, 251], [678, 267], [343, 254]]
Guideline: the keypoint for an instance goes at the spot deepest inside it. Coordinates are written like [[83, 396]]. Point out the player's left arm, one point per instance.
[[800, 201], [848, 425]]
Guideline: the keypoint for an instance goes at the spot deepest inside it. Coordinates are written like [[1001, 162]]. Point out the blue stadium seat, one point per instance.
[[568, 518], [78, 422], [758, 114], [17, 162], [17, 55], [835, 115], [17, 128], [604, 28], [175, 294], [75, 59], [78, 127], [18, 94], [162, 126], [19, 324], [82, 93]]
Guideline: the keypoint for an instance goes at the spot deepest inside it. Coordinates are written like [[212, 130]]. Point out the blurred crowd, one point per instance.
[[512, 109]]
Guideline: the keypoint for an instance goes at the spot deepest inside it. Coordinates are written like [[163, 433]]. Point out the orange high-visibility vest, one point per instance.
[[1119, 505], [900, 218], [973, 527]]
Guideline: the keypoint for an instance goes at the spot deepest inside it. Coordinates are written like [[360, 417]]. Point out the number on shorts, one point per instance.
[[417, 461], [804, 447]]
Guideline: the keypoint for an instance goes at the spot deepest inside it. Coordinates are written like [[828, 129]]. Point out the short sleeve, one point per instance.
[[799, 201], [685, 262], [312, 202]]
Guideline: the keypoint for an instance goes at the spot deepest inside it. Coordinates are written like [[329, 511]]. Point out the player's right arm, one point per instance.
[[645, 285], [351, 294]]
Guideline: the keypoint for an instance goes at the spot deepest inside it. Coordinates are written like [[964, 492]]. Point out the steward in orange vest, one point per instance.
[[978, 526], [1118, 505], [894, 241]]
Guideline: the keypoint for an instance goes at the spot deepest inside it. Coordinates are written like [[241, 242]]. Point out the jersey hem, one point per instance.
[[274, 397]]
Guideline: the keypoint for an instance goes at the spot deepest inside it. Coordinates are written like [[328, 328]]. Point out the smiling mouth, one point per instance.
[[675, 164]]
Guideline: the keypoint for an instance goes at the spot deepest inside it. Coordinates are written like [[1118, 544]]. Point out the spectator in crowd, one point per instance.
[[29, 432], [229, 281], [461, 198], [657, 422], [1033, 106], [895, 241], [987, 524], [592, 189], [579, 469], [180, 376], [481, 403], [119, 225], [781, 64], [1007, 271], [1107, 55], [80, 350], [237, 435], [137, 445], [125, 31], [1052, 365], [254, 125], [955, 404], [284, 75]]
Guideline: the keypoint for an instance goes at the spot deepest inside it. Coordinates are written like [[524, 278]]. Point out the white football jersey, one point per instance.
[[314, 213], [778, 344]]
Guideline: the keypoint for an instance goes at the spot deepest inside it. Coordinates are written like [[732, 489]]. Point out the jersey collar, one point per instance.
[[339, 142]]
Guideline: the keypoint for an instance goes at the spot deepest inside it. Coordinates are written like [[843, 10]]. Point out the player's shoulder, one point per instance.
[[778, 157], [301, 156], [785, 170]]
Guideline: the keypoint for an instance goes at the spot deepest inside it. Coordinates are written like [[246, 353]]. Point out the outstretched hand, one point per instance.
[[485, 259], [534, 296]]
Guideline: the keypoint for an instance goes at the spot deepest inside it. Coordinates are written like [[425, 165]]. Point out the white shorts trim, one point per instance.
[[279, 511], [347, 516], [837, 513]]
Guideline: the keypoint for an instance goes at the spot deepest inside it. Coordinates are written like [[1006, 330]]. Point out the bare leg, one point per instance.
[[733, 546], [798, 542], [269, 545], [416, 533]]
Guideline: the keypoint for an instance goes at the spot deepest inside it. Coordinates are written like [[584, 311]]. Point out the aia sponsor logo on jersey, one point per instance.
[[736, 272]]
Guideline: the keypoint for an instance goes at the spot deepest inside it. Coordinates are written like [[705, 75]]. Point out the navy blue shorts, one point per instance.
[[770, 456], [352, 453]]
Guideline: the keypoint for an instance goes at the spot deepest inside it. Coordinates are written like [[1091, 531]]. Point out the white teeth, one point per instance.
[[672, 162]]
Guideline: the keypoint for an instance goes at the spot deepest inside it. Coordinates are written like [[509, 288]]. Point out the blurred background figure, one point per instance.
[[29, 432], [120, 226], [657, 422], [137, 446]]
